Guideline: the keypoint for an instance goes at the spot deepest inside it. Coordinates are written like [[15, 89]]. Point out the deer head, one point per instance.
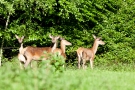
[[65, 42], [98, 40], [54, 39], [20, 39]]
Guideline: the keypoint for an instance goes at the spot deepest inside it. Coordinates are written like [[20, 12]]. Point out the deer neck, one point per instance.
[[95, 47], [21, 48], [62, 46], [54, 46]]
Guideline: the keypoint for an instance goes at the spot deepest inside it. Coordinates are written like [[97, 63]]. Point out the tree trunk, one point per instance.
[[1, 49]]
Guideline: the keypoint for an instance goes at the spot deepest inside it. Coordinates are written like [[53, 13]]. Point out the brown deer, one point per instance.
[[88, 53], [38, 53], [20, 54], [61, 50]]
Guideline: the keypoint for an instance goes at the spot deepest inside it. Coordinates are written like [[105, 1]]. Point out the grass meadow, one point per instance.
[[121, 77]]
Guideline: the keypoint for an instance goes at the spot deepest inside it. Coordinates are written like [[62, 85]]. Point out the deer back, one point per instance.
[[35, 53]]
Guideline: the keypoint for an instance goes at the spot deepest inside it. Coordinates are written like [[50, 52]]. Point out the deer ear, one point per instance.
[[22, 37], [16, 36], [58, 37], [50, 36], [94, 36]]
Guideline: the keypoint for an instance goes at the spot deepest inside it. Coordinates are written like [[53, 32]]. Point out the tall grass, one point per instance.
[[42, 78]]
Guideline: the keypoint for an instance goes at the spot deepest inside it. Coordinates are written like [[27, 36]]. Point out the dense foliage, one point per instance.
[[76, 21]]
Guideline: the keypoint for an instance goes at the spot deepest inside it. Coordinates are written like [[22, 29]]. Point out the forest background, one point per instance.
[[76, 21]]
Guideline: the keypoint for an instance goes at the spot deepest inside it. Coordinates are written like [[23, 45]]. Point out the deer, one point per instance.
[[86, 54], [38, 53], [21, 58], [61, 50]]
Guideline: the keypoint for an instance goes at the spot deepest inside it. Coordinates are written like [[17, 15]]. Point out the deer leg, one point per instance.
[[79, 60], [30, 64], [63, 66], [91, 63], [84, 61], [21, 65], [27, 63]]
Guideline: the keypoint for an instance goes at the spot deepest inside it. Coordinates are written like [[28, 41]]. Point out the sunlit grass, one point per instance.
[[38, 78]]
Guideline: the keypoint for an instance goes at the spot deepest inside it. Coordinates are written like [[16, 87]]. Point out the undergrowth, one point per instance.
[[51, 75]]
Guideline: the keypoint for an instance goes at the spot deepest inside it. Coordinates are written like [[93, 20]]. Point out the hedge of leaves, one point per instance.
[[76, 21]]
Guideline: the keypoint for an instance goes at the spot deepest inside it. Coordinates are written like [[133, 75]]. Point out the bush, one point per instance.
[[120, 54], [55, 63]]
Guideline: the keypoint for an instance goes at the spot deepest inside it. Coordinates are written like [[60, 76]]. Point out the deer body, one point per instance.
[[39, 53], [88, 53], [36, 53]]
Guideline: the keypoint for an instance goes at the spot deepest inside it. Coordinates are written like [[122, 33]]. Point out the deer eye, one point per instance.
[[98, 39]]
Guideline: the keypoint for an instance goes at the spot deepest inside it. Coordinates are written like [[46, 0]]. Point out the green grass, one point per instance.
[[13, 78]]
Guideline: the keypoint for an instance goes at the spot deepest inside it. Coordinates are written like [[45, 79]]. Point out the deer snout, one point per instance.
[[103, 43]]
